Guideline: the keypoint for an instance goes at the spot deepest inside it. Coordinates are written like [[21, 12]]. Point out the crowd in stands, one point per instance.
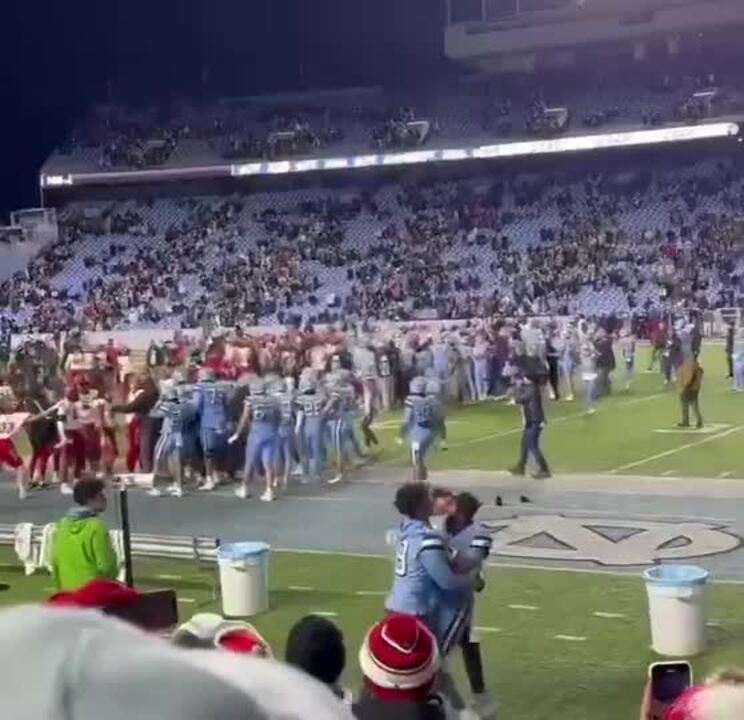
[[619, 241], [395, 119]]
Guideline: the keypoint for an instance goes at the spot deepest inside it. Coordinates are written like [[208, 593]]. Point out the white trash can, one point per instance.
[[244, 578], [676, 604]]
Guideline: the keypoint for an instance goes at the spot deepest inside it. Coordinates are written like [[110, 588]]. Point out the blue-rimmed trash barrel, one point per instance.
[[244, 578], [676, 606]]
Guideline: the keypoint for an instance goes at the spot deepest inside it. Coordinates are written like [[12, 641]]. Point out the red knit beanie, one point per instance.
[[399, 659]]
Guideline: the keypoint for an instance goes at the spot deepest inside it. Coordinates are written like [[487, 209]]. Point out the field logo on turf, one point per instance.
[[606, 542]]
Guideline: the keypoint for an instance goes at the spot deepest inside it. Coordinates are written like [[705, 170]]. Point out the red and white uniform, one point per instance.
[[89, 410], [10, 424], [74, 449]]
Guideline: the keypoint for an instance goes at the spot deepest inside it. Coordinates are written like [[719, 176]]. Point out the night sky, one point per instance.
[[60, 57]]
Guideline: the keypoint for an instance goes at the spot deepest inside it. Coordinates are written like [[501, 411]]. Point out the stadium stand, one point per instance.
[[319, 124], [592, 241]]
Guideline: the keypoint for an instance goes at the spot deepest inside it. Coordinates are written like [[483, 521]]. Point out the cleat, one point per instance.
[[65, 488], [499, 501], [524, 499], [268, 496], [175, 491], [155, 492], [336, 480], [541, 475], [516, 471], [242, 492]]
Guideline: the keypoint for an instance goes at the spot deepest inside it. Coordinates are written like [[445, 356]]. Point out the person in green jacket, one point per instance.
[[81, 547]]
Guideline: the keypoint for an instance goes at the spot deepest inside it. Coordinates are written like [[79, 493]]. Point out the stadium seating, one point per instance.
[[349, 122], [388, 251]]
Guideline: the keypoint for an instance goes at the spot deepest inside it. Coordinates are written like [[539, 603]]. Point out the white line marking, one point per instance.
[[500, 565], [570, 638], [563, 418], [323, 613], [708, 429], [524, 607], [679, 448], [667, 473], [301, 588], [610, 514], [479, 628], [515, 431], [168, 577], [370, 593], [188, 601], [726, 474], [608, 615]]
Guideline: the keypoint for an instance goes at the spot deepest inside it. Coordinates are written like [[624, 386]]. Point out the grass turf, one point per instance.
[[622, 432], [536, 675]]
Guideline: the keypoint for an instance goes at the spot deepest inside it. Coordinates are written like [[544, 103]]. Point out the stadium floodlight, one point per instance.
[[595, 141], [598, 141]]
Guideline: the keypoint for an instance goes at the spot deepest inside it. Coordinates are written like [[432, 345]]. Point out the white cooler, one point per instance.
[[244, 578], [676, 605]]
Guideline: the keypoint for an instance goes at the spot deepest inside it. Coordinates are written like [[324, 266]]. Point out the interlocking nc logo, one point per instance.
[[604, 541]]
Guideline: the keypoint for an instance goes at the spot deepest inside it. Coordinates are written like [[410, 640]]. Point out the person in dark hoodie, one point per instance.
[[316, 646], [81, 546], [142, 403]]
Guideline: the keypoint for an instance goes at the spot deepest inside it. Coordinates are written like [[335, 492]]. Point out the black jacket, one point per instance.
[[369, 707], [529, 397]]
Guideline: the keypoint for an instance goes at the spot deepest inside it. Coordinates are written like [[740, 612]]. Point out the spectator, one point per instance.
[[82, 548], [207, 630], [316, 646], [400, 661], [720, 698], [690, 381], [93, 666]]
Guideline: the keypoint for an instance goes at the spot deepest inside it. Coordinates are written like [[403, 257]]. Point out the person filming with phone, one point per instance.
[[670, 695]]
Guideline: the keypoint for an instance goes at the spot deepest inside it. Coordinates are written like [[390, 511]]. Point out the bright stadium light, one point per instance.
[[630, 138]]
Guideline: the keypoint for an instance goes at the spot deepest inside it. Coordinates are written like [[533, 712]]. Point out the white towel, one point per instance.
[[117, 540], [45, 548], [24, 546]]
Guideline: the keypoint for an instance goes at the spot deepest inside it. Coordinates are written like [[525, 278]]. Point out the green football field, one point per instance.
[[557, 645], [547, 654], [632, 432]]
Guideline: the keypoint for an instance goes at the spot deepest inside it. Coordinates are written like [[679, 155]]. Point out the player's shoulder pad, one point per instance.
[[433, 541], [482, 541]]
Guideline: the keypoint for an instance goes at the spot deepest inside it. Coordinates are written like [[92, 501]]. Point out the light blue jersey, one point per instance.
[[170, 444], [452, 612], [311, 422], [420, 423], [209, 401], [262, 437], [421, 568]]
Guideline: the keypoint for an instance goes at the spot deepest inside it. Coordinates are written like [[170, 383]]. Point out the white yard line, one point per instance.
[[324, 613], [168, 577], [563, 418], [479, 628], [531, 608], [679, 448], [570, 638], [301, 588], [726, 474], [667, 473], [608, 615], [370, 593], [187, 601]]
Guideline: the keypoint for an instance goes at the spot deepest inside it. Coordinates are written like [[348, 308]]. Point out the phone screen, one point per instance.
[[670, 680]]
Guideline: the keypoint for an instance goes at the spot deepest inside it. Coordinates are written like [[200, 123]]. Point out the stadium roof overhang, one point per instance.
[[521, 148]]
